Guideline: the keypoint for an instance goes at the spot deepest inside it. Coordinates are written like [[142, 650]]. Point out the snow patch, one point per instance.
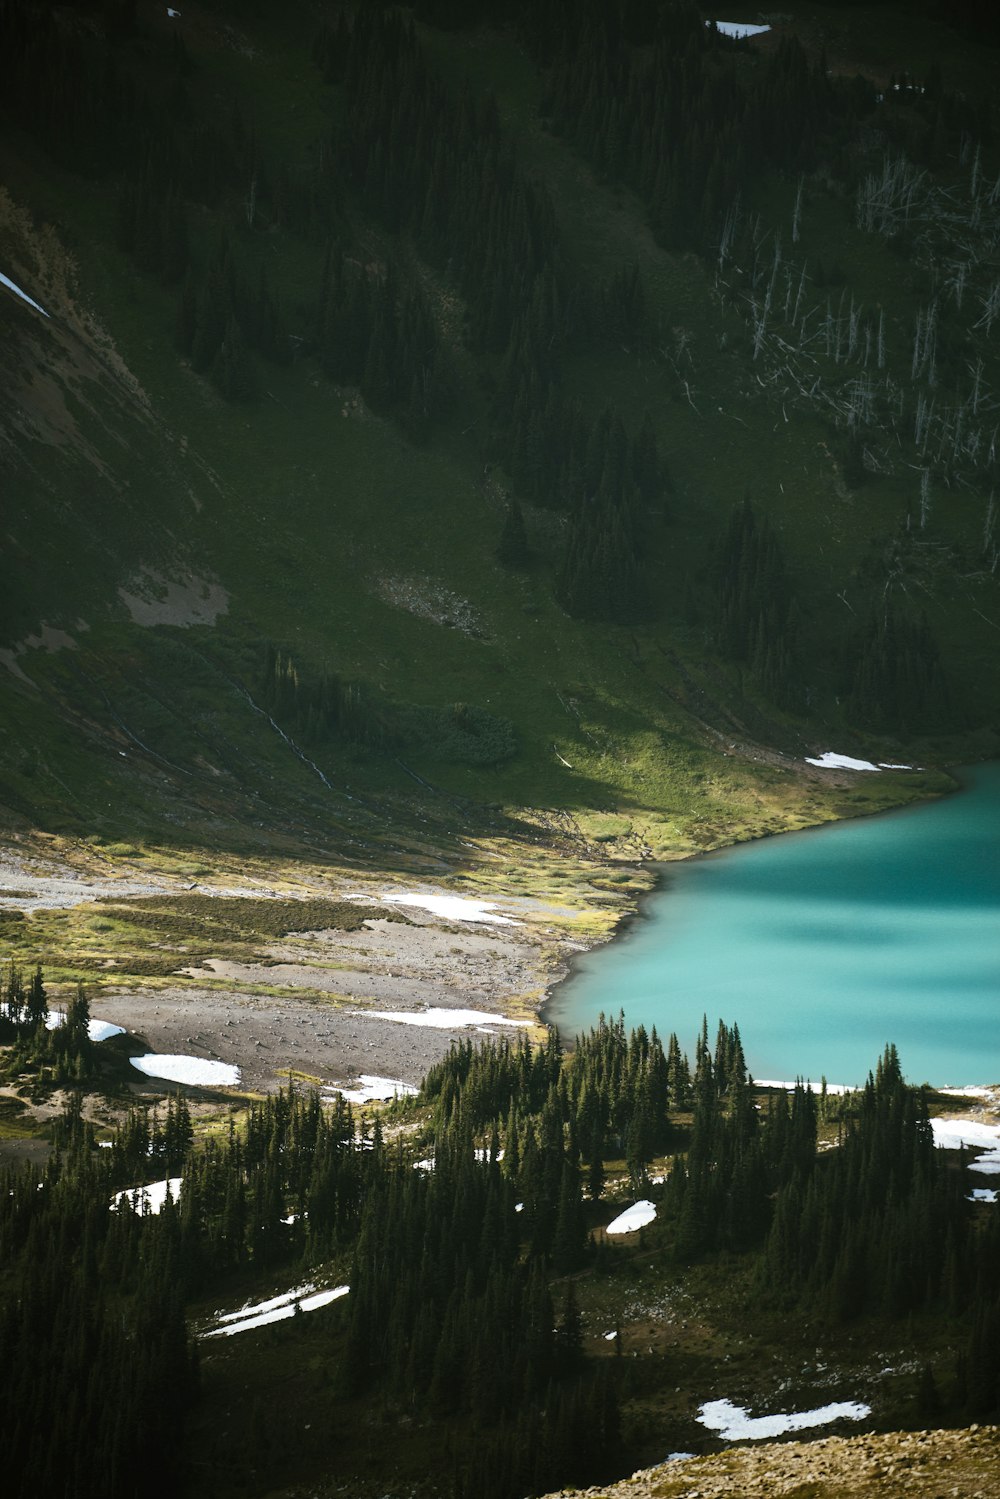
[[97, 1030], [451, 907], [952, 1134], [13, 286], [440, 1019], [198, 1072], [376, 1090], [633, 1218], [829, 760], [609, 1337], [103, 1030], [252, 1308], [984, 1194], [149, 1199], [738, 28], [733, 1424], [276, 1310]]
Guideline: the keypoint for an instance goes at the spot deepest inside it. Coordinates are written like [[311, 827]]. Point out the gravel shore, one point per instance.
[[321, 1012], [312, 1002]]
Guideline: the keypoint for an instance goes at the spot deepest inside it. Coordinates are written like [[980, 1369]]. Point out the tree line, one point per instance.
[[463, 1264], [61, 1054], [325, 708]]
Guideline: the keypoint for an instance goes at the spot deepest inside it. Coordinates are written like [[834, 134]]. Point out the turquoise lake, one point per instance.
[[824, 945]]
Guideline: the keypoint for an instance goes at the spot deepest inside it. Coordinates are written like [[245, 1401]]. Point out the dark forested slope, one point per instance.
[[521, 399], [468, 1354]]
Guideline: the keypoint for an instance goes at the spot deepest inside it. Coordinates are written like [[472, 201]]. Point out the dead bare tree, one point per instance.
[[991, 307], [853, 317], [798, 294], [729, 226], [797, 211], [988, 524], [925, 498]]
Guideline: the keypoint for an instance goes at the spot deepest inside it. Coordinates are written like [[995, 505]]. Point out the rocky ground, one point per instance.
[[315, 1005], [312, 1002], [962, 1464]]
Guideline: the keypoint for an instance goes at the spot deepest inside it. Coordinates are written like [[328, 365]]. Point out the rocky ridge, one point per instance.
[[960, 1464]]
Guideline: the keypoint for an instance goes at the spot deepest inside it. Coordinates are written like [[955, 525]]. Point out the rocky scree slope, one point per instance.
[[962, 1464]]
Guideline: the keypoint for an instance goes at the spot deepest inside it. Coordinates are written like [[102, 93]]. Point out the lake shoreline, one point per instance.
[[311, 1006], [635, 921]]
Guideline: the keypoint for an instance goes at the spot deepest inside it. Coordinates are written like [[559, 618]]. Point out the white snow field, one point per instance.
[[97, 1030], [440, 1019], [733, 1424], [198, 1072], [255, 1308], [6, 281], [451, 907], [984, 1194], [149, 1199], [951, 1134], [372, 1089], [739, 28], [633, 1218], [277, 1309], [830, 760]]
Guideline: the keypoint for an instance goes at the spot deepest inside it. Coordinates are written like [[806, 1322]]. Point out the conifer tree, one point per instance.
[[512, 548], [37, 1004]]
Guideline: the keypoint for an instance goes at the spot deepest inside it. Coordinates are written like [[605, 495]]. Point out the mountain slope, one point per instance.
[[240, 473]]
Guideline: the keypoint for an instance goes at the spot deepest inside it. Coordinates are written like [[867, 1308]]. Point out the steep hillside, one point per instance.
[[280, 421], [453, 456]]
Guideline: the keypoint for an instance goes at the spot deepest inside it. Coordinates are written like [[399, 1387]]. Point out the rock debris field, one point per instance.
[[332, 1005], [963, 1464], [324, 1015]]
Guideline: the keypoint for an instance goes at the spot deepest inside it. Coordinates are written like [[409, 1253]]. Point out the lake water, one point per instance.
[[823, 946]]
